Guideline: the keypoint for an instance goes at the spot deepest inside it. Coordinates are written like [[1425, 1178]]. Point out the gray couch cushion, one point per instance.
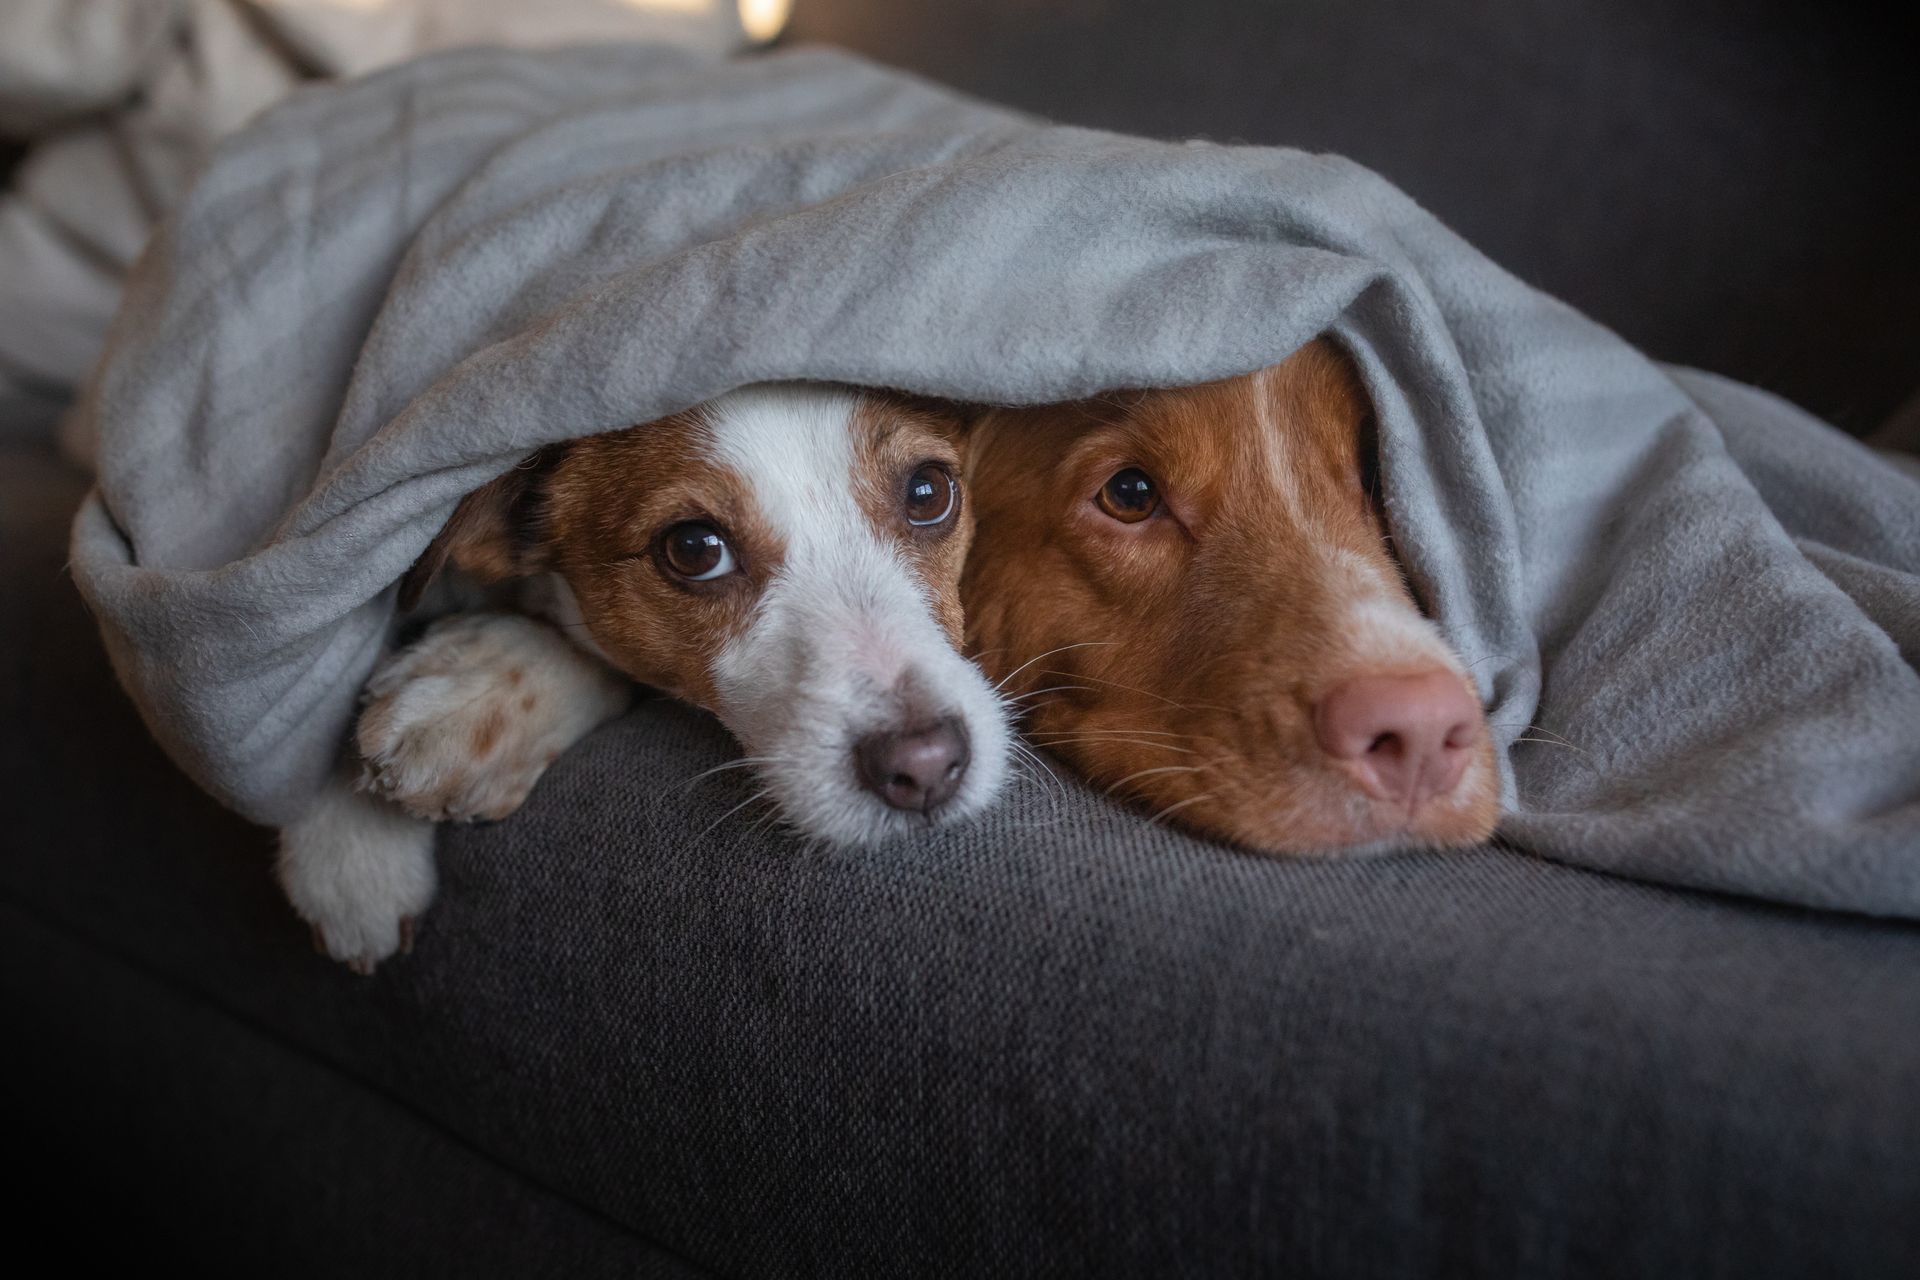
[[1059, 1041], [1063, 1041]]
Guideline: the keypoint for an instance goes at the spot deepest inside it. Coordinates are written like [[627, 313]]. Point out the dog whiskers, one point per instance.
[[1015, 698], [1111, 742], [744, 762], [1558, 739], [1108, 739], [1145, 693], [1582, 756], [1552, 738], [1143, 773], [762, 794], [1130, 732], [1160, 817], [1084, 644], [766, 823], [1027, 757]]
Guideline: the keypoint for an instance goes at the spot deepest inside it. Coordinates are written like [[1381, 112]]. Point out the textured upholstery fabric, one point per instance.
[[1050, 1043]]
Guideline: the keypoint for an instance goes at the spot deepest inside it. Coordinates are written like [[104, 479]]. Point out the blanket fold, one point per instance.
[[1692, 610]]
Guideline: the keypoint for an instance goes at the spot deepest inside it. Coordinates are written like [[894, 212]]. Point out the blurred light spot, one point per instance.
[[763, 19]]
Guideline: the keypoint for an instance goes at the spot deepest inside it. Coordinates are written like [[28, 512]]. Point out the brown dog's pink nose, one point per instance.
[[917, 771], [1404, 738]]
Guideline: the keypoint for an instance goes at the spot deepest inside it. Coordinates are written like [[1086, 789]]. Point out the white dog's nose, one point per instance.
[[917, 771]]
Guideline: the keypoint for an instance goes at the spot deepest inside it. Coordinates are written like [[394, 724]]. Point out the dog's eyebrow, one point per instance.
[[894, 411]]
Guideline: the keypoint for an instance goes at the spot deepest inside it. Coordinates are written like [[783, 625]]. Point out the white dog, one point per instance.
[[787, 557]]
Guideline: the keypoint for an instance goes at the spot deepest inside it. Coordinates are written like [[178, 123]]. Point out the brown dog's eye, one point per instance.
[[931, 495], [697, 552], [1129, 496]]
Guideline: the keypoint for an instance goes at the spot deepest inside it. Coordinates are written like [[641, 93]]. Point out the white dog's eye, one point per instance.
[[697, 552], [931, 495]]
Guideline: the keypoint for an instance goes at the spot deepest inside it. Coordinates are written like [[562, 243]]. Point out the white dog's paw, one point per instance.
[[359, 872], [462, 723]]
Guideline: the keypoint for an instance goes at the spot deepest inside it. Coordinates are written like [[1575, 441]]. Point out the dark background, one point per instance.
[[1729, 185]]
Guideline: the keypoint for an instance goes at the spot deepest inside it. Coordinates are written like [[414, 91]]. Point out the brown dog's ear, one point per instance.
[[498, 531]]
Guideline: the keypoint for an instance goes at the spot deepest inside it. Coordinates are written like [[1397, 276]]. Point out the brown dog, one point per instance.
[[1193, 592]]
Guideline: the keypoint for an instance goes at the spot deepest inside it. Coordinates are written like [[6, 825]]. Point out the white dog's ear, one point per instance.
[[498, 531]]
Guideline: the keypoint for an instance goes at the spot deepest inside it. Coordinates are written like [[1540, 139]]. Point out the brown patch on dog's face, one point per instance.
[[597, 510], [610, 504], [1188, 562]]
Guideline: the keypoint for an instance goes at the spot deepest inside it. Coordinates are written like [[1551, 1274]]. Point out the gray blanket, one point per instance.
[[382, 294]]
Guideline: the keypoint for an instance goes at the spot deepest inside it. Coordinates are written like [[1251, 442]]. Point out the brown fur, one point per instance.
[[1185, 653]]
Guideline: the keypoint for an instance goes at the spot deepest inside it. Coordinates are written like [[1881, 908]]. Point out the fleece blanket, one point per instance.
[[1693, 611], [120, 101]]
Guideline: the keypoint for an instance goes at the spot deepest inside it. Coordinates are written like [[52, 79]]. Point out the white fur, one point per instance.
[[844, 640], [426, 703], [1386, 630], [1277, 450], [358, 870]]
